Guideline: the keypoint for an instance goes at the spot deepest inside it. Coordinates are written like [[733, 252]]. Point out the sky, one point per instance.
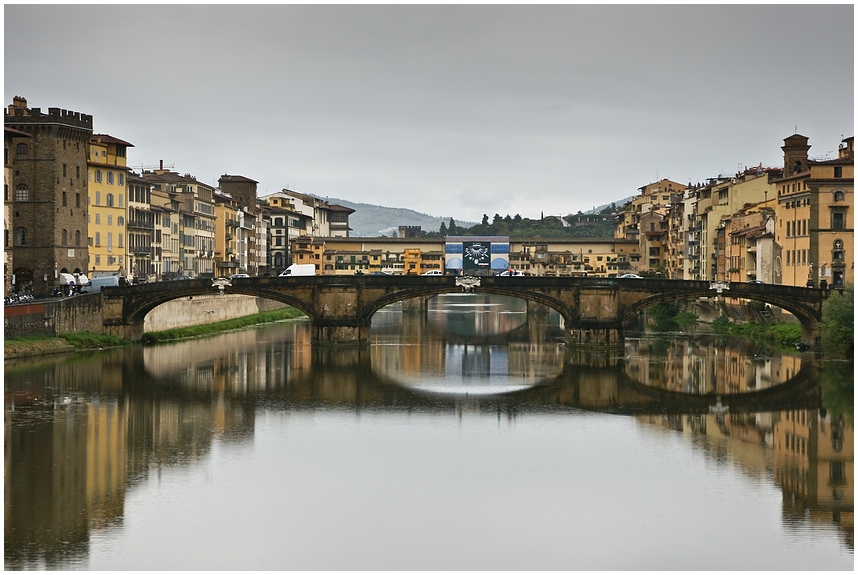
[[449, 110]]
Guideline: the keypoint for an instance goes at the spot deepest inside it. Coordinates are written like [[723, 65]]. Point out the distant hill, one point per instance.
[[370, 220]]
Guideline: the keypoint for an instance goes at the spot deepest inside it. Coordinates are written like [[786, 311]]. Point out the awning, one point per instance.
[[82, 280], [67, 280]]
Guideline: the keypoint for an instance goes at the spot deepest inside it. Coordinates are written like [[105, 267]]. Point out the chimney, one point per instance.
[[161, 165]]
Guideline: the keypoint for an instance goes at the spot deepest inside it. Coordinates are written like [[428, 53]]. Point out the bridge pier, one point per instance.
[[601, 336], [327, 333], [416, 305]]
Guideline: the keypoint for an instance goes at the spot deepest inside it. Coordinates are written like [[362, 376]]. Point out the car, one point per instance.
[[236, 276], [756, 282], [379, 274], [630, 277], [510, 273], [433, 273]]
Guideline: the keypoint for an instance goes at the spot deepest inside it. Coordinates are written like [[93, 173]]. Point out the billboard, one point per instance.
[[473, 253]]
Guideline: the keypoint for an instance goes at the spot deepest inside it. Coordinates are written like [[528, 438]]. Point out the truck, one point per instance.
[[299, 270], [95, 284]]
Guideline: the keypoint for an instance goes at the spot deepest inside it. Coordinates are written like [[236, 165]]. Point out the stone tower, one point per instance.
[[795, 154], [241, 189], [49, 193]]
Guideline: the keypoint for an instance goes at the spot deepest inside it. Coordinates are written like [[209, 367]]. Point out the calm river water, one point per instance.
[[469, 438]]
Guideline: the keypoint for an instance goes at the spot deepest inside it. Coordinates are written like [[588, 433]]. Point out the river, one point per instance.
[[468, 438]]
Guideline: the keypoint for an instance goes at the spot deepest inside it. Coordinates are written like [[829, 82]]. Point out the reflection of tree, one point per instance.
[[837, 380]]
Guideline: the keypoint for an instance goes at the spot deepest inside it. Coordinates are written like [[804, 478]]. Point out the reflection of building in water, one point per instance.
[[694, 366], [814, 465], [810, 455]]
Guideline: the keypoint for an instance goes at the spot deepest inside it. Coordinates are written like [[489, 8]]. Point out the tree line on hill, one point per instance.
[[601, 225]]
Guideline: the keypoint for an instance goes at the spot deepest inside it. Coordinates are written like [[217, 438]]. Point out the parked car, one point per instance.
[[630, 277], [433, 273], [379, 274], [236, 276], [756, 282], [510, 272]]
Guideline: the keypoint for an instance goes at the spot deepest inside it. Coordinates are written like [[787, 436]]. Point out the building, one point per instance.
[[815, 216], [8, 183], [107, 169], [140, 227], [49, 192]]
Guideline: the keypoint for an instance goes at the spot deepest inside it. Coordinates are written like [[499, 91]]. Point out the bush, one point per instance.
[[837, 332]]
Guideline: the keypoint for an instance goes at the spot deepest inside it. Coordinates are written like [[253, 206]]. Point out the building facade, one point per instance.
[[49, 192]]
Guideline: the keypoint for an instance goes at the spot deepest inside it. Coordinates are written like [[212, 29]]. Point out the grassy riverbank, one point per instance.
[[221, 326], [29, 346], [777, 334]]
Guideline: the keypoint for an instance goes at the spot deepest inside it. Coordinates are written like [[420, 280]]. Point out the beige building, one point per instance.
[[815, 216]]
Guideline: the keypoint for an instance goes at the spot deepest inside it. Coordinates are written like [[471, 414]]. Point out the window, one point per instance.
[[21, 150], [838, 196], [98, 239], [21, 236], [110, 178], [22, 193], [110, 241], [121, 179], [120, 221], [97, 198], [838, 171], [64, 199], [97, 218], [77, 172], [837, 221], [98, 176], [64, 170], [77, 200], [109, 200], [64, 236], [77, 238], [120, 240], [109, 220], [120, 201]]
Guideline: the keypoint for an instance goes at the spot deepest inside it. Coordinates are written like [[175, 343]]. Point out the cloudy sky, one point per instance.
[[454, 111]]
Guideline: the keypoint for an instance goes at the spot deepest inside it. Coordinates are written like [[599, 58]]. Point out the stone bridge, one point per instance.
[[340, 308]]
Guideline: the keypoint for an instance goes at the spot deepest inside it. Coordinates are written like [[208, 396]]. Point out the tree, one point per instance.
[[452, 229], [443, 230], [485, 221], [838, 323]]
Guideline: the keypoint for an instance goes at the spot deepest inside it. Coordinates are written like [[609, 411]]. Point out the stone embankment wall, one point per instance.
[[83, 314], [201, 310]]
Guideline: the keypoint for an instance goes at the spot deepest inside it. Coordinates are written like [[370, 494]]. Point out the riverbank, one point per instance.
[[33, 346]]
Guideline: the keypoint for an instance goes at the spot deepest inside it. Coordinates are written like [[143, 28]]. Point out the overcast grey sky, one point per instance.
[[454, 111]]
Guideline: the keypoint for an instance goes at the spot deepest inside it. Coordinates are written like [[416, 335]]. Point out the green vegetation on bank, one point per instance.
[[781, 334], [837, 332], [217, 327]]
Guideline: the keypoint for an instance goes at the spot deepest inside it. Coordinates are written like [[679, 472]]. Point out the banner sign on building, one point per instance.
[[476, 255], [472, 253]]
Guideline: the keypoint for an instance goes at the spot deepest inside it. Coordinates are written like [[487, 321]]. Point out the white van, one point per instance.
[[95, 284], [299, 270]]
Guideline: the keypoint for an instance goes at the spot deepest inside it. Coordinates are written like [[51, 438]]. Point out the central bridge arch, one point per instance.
[[340, 308]]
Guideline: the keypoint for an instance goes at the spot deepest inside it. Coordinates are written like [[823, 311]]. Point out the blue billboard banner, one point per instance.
[[477, 253]]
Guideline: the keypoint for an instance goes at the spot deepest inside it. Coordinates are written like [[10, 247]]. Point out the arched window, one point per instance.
[[64, 238], [22, 193], [77, 238], [839, 196], [120, 221], [22, 151], [20, 236]]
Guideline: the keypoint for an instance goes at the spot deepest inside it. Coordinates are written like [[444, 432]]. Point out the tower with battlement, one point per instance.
[[48, 191]]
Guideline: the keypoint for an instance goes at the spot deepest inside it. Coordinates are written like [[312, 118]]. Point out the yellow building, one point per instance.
[[107, 185], [815, 216]]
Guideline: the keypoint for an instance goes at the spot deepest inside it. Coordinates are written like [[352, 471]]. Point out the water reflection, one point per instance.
[[83, 432]]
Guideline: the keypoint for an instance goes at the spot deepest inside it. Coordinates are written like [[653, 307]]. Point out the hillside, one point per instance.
[[370, 220]]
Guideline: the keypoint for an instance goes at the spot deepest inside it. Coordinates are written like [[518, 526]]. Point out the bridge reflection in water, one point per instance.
[[167, 404]]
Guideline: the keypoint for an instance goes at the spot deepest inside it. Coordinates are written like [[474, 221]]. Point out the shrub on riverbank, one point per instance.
[[782, 334], [837, 332], [221, 326]]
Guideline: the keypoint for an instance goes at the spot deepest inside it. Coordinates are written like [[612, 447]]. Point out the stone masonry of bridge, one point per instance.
[[340, 308]]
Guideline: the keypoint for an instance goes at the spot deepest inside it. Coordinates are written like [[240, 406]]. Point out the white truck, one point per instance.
[[95, 284], [299, 270]]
